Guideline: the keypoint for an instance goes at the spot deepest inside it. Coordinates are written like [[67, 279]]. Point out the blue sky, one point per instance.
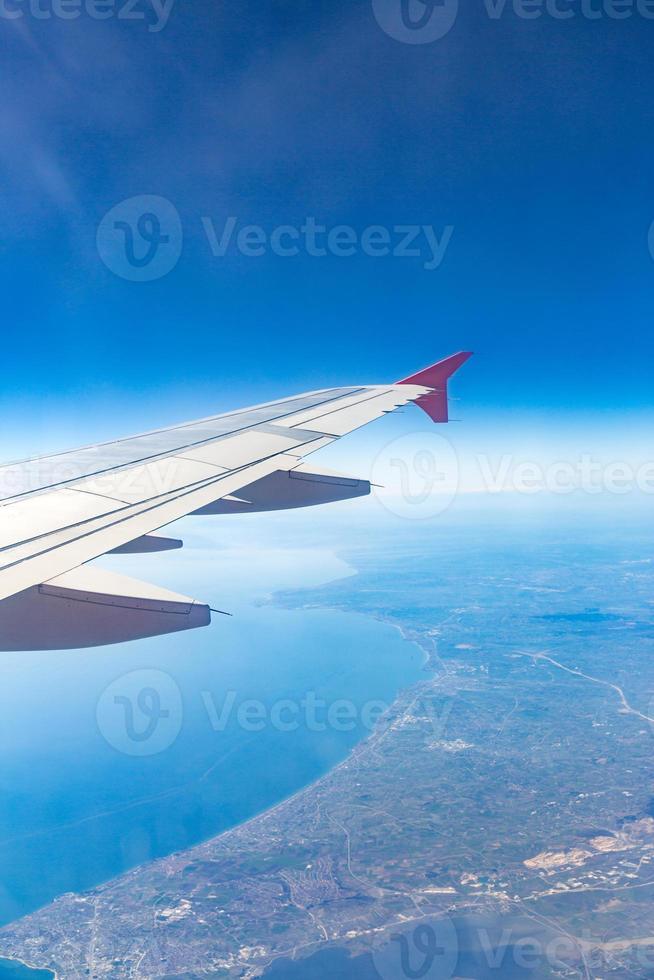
[[531, 139]]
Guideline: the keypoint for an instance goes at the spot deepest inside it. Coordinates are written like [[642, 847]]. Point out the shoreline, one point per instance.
[[426, 665], [30, 966]]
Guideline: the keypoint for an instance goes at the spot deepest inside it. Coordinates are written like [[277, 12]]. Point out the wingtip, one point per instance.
[[438, 373], [436, 376]]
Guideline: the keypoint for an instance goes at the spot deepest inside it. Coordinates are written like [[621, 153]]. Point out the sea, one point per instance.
[[115, 756]]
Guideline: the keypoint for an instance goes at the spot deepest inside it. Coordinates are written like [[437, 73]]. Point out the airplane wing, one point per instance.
[[59, 512]]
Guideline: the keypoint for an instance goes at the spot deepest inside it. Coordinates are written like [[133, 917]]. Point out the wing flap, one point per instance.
[[146, 544], [93, 607], [289, 489]]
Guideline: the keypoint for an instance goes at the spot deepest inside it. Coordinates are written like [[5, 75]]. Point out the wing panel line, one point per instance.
[[163, 453]]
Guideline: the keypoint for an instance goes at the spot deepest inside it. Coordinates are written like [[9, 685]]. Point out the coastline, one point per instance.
[[350, 571], [30, 966]]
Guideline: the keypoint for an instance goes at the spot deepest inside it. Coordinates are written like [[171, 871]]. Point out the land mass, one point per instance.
[[506, 796]]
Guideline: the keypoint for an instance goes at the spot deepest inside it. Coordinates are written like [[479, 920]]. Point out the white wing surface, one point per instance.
[[59, 512]]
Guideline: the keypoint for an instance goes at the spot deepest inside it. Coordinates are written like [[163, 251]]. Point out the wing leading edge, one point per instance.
[[59, 512]]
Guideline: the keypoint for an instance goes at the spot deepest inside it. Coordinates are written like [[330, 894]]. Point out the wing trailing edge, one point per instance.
[[290, 489]]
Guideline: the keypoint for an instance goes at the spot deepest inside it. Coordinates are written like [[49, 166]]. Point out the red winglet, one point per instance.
[[436, 376]]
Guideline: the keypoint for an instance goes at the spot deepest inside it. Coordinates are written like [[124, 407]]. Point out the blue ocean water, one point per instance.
[[246, 706], [12, 970]]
